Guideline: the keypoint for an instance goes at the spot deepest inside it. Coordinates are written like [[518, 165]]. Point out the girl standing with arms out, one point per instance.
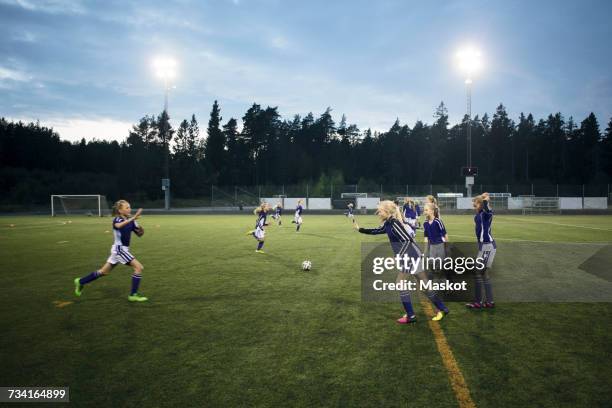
[[486, 251], [402, 243], [123, 226]]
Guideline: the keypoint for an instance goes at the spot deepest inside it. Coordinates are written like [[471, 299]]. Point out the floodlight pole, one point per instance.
[[166, 147], [468, 92]]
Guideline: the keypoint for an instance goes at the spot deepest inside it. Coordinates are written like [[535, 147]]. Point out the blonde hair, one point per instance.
[[432, 200], [434, 209], [388, 209], [117, 206], [262, 207], [407, 200]]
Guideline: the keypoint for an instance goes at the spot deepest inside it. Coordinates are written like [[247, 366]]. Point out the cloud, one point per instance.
[[7, 74], [48, 6], [74, 129]]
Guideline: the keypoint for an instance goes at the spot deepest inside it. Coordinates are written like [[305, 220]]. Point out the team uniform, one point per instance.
[[349, 213], [486, 250], [259, 233], [410, 215], [402, 243], [120, 251], [435, 231], [297, 219], [278, 211], [486, 243]]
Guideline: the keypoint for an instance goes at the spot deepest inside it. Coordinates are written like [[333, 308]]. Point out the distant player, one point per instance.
[[259, 232], [349, 212], [123, 226], [486, 250], [409, 213], [278, 212], [402, 243], [297, 219]]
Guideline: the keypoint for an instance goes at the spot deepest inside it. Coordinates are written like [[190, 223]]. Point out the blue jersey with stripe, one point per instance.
[[434, 231], [123, 234], [350, 210], [483, 221], [298, 210], [418, 210], [399, 235], [261, 220], [278, 210], [409, 212]]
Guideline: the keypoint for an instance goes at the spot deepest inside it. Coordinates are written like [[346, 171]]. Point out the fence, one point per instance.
[[223, 196]]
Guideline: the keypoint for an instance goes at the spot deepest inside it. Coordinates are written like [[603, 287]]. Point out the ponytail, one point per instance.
[[117, 206]]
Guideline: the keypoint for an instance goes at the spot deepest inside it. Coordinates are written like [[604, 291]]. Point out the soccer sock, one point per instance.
[[478, 288], [89, 278], [437, 301], [298, 227], [488, 289], [407, 303], [135, 283], [260, 245]]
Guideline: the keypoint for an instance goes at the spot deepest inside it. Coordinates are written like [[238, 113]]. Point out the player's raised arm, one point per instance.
[[121, 224]]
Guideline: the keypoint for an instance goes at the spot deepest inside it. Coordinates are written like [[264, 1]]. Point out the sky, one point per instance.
[[85, 67]]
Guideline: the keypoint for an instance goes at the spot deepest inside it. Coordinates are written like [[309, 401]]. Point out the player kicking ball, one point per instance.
[[123, 226]]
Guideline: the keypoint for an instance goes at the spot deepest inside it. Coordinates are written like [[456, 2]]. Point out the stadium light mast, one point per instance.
[[165, 69], [469, 62]]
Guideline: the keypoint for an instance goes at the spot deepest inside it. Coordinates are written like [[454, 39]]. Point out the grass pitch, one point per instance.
[[225, 326]]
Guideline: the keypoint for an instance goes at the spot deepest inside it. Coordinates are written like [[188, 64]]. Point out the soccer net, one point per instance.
[[70, 204], [540, 205]]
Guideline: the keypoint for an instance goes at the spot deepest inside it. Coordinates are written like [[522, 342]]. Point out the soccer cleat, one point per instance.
[[259, 251], [474, 305], [406, 320], [137, 298], [78, 288], [249, 232], [440, 315], [489, 305]]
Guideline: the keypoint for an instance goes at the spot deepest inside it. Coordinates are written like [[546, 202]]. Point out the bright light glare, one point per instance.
[[469, 61], [165, 68]]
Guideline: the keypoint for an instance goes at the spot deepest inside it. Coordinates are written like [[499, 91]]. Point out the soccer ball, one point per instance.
[[306, 265]]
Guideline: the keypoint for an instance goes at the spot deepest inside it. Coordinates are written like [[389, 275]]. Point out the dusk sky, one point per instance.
[[84, 67]]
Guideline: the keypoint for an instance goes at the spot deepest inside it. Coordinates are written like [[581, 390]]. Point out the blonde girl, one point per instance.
[[402, 243], [297, 219], [487, 248], [123, 226], [259, 232]]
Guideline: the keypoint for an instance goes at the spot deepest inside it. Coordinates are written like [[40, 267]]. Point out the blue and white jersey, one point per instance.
[[261, 220], [278, 210], [417, 208], [123, 234], [350, 210], [400, 234], [434, 231], [483, 221], [298, 211], [409, 212]]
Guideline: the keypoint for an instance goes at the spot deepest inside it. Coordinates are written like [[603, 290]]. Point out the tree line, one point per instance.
[[35, 162]]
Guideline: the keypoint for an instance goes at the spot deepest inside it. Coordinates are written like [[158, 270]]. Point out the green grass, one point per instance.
[[226, 327]]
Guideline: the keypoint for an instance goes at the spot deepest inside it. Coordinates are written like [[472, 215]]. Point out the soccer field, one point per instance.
[[226, 326]]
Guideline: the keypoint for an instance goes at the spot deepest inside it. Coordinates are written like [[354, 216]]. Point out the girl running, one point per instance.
[[123, 226], [402, 243], [409, 212], [349, 212], [297, 219], [486, 250], [259, 232], [278, 211]]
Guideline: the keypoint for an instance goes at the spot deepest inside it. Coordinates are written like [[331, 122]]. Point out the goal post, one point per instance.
[[85, 204], [540, 205]]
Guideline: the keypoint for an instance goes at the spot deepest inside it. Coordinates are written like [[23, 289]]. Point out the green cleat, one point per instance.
[[137, 298], [78, 288]]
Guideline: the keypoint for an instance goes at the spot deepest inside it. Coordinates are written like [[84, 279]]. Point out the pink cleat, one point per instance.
[[406, 320], [474, 305], [489, 305]]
